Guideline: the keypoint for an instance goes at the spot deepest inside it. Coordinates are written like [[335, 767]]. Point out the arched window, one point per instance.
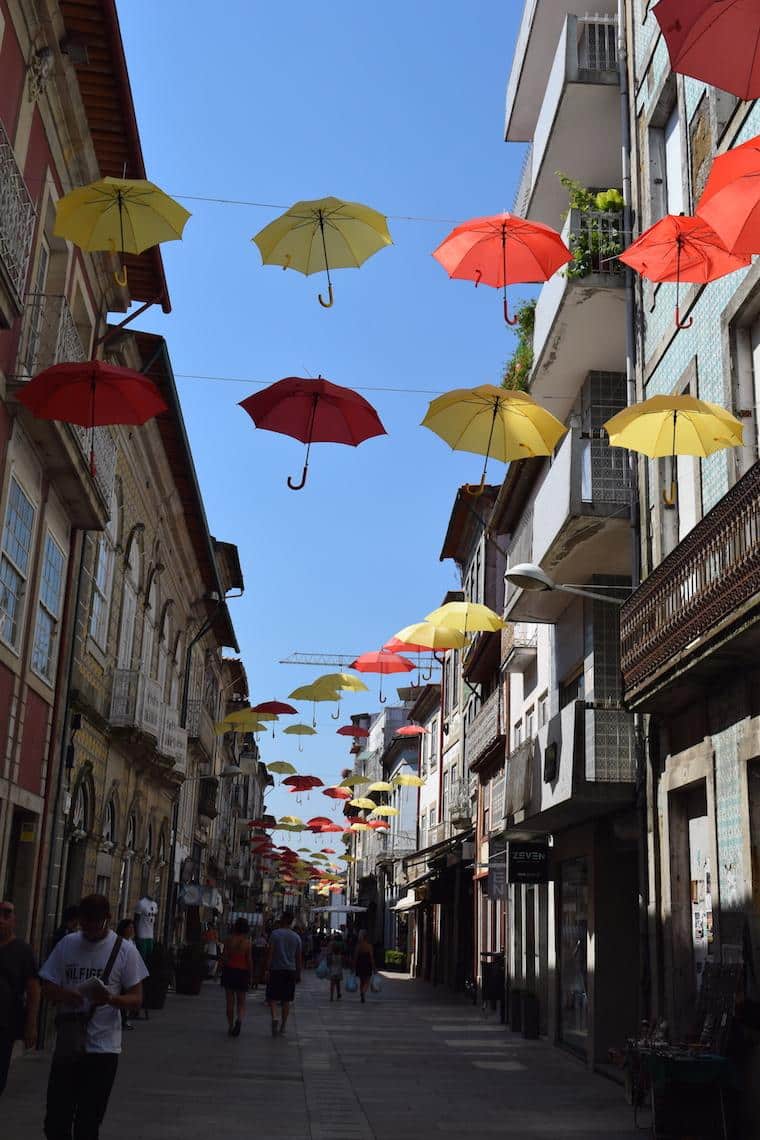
[[175, 667], [125, 879], [80, 811], [109, 823], [149, 629], [102, 578], [129, 608], [163, 654]]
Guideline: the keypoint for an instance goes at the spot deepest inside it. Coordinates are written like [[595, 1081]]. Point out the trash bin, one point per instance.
[[529, 1015]]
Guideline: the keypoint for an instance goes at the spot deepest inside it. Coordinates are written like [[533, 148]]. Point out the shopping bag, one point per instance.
[[322, 970], [376, 984], [352, 984]]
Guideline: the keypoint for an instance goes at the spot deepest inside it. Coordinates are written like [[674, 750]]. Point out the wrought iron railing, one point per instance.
[[519, 784], [713, 573], [200, 727], [486, 728], [597, 43], [17, 216], [595, 238]]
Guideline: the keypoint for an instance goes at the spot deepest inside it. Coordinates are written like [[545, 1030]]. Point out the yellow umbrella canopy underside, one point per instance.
[[300, 730], [495, 422], [385, 809], [380, 786], [404, 781], [316, 691], [362, 802], [354, 781], [701, 427], [466, 617], [124, 214], [281, 768], [347, 232], [434, 637], [345, 682]]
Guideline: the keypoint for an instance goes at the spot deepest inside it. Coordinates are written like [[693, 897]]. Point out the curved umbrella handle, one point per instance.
[[382, 699], [297, 486], [121, 278], [336, 715], [670, 500], [507, 318], [326, 304], [426, 676], [683, 324], [475, 489]]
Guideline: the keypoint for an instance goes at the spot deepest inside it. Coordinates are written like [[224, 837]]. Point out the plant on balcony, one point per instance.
[[598, 241], [516, 373]]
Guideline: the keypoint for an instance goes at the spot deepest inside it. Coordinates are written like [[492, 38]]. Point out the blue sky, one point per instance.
[[400, 106]]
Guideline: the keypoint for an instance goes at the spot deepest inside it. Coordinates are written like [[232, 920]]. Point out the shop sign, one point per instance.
[[497, 880], [528, 862]]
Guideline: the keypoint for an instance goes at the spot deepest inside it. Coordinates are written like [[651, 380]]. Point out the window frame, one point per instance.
[[43, 609], [23, 575]]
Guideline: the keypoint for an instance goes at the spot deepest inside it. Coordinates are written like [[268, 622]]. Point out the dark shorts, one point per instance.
[[281, 985], [235, 979]]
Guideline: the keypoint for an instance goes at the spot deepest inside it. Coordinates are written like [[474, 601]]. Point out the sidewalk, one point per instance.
[[411, 1063]]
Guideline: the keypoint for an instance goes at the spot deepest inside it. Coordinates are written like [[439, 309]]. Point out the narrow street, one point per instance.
[[412, 1063]]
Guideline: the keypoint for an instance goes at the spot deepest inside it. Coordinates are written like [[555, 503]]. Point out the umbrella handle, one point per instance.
[[297, 486], [121, 278], [475, 489], [382, 699], [670, 500], [326, 304], [683, 324], [336, 715], [507, 318]]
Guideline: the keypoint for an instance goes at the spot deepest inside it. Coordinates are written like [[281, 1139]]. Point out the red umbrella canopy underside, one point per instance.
[[92, 394], [382, 663], [314, 410], [716, 41], [479, 250], [681, 248]]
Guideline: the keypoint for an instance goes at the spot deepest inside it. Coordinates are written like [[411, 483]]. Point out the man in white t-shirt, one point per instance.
[[79, 1087], [145, 922]]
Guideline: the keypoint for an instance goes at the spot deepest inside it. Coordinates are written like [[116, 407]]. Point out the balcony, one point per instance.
[[697, 616], [578, 526], [581, 765], [137, 703], [577, 129], [17, 218], [207, 797], [460, 807], [487, 730], [50, 336], [173, 739], [497, 790], [200, 728], [524, 648], [580, 313]]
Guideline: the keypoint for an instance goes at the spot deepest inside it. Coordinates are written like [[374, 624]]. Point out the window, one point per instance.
[[517, 734], [109, 823], [434, 744], [666, 159], [674, 163], [128, 612], [543, 709], [102, 578], [48, 610], [149, 630], [573, 689], [530, 723], [14, 562]]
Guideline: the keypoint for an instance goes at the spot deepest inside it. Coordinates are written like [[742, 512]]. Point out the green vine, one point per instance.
[[596, 243], [516, 373]]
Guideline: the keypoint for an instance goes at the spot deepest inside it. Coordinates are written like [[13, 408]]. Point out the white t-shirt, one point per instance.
[[145, 913], [75, 961]]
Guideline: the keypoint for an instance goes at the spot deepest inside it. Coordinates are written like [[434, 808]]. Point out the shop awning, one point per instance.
[[407, 902]]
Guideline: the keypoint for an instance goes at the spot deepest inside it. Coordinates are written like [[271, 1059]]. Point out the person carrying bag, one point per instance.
[[71, 1027]]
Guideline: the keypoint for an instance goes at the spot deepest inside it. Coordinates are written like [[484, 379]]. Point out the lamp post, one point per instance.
[[529, 576]]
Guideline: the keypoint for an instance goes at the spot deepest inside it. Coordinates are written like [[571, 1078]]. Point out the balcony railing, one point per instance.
[[498, 796], [519, 780], [207, 797], [708, 581], [136, 702], [486, 729], [460, 807], [200, 727], [17, 216], [173, 739], [597, 43]]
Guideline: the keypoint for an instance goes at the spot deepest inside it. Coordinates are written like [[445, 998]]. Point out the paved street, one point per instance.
[[411, 1063]]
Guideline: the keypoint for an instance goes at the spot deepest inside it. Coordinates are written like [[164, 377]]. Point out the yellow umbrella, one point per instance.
[[431, 636], [494, 422], [465, 617], [300, 730], [362, 802], [347, 858], [229, 725], [119, 214], [404, 781], [360, 827], [281, 767], [244, 715], [674, 425], [292, 820], [354, 781], [315, 236], [316, 691], [380, 786], [345, 682], [385, 809]]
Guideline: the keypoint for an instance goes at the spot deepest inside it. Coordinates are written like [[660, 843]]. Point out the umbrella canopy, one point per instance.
[[384, 664], [674, 425], [303, 783], [124, 214], [378, 824], [318, 235], [680, 248], [716, 41], [354, 781], [339, 793], [404, 781], [313, 411], [359, 826], [468, 617], [502, 250], [321, 823], [327, 850], [353, 730], [380, 786], [492, 421], [242, 716], [300, 730], [343, 682], [362, 802], [281, 767], [250, 724], [412, 730], [385, 809], [423, 636], [730, 201], [292, 820], [277, 708], [316, 691]]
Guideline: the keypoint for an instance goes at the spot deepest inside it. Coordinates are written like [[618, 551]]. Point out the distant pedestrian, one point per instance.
[[364, 963], [258, 955], [237, 969], [336, 955], [126, 930], [283, 970], [19, 991], [93, 975], [69, 924]]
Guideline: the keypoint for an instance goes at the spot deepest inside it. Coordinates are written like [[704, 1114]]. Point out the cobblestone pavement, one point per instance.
[[411, 1063]]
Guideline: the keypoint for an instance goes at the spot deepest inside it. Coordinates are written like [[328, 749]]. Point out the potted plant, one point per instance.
[[159, 964], [190, 968], [395, 960]]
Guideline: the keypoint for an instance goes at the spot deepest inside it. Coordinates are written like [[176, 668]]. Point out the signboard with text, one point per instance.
[[528, 862]]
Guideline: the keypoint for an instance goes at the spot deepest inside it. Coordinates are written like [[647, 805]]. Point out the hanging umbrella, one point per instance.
[[302, 783], [422, 636], [313, 411], [127, 215], [380, 786], [249, 724], [730, 201], [320, 824], [300, 730], [323, 234], [291, 820], [355, 781], [404, 781], [276, 708], [378, 824], [242, 716], [339, 793], [716, 41], [362, 802], [353, 730], [467, 617], [359, 827], [680, 248], [92, 394], [412, 730], [493, 421], [384, 664], [502, 250], [281, 767], [385, 809], [674, 425], [342, 682], [327, 850]]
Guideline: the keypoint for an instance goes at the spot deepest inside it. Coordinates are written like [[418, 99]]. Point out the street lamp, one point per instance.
[[529, 576]]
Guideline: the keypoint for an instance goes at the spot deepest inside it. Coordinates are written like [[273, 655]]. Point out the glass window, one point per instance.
[[530, 723], [674, 163], [543, 709], [14, 562], [517, 734], [434, 744], [101, 580], [573, 689], [573, 971], [48, 610]]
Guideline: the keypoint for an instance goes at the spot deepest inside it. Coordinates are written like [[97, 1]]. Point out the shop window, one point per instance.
[[14, 562], [573, 956], [48, 610]]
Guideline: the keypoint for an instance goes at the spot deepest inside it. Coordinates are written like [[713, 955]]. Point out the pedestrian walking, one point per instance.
[[237, 969], [336, 956], [258, 955], [92, 975], [126, 930], [364, 963], [19, 991], [283, 970]]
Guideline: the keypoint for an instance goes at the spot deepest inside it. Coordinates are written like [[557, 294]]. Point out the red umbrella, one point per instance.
[[412, 730], [303, 783], [92, 394], [396, 646], [730, 201], [279, 708], [353, 730], [382, 663], [338, 793], [320, 824], [502, 250], [715, 41], [313, 411], [378, 824], [680, 248], [327, 850]]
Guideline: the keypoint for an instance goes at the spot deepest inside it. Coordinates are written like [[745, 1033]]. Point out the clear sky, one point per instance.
[[398, 105]]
